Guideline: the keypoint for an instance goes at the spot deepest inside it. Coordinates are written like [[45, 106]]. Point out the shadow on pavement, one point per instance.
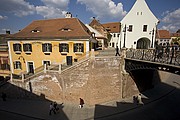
[[20, 102]]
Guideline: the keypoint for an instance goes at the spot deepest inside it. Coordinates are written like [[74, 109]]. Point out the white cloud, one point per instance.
[[53, 8], [61, 4], [3, 17], [104, 8], [50, 12], [17, 7], [171, 20]]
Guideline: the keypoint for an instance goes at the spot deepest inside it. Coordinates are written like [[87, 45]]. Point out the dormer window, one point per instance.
[[35, 31], [66, 29]]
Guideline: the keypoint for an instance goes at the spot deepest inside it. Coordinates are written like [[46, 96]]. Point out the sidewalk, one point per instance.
[[40, 109]]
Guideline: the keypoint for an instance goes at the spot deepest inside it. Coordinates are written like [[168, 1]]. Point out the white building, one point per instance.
[[114, 29], [138, 27]]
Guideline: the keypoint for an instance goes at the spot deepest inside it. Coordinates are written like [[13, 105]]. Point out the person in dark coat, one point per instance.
[[81, 103], [51, 109], [117, 51], [55, 106]]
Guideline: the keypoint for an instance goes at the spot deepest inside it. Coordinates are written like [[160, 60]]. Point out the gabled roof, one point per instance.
[[62, 28], [113, 27], [163, 34], [97, 34], [140, 8]]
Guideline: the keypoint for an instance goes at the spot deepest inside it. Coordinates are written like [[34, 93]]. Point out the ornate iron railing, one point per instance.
[[166, 55]]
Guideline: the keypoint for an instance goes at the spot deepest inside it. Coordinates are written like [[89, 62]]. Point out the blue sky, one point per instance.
[[16, 14]]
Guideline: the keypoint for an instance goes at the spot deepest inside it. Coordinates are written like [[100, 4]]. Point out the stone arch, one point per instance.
[[143, 43]]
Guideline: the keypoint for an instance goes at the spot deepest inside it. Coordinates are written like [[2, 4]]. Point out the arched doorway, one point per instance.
[[143, 43]]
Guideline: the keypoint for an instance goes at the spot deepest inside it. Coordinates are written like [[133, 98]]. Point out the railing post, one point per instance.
[[22, 75], [11, 77], [92, 55], [60, 68], [45, 68], [172, 55]]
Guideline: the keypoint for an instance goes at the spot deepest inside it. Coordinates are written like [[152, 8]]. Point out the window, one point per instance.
[[17, 47], [63, 47], [130, 28], [27, 47], [78, 47], [144, 28], [113, 44], [4, 63], [17, 65], [47, 47], [118, 34], [114, 35], [35, 31]]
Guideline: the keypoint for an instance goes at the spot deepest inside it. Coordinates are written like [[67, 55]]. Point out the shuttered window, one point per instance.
[[78, 47], [47, 47], [27, 47], [63, 47], [17, 47], [17, 65]]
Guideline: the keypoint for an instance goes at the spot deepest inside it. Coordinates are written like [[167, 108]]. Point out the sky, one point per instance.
[[17, 14]]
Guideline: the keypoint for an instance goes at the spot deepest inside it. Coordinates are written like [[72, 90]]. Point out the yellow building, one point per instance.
[[48, 41]]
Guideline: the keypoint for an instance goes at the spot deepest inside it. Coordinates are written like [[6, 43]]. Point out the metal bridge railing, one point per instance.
[[166, 55]]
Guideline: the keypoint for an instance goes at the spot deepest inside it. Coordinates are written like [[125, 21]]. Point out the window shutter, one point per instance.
[[14, 47], [19, 47], [50, 47], [60, 48], [43, 48], [75, 48], [24, 47], [67, 47], [82, 48], [30, 46]]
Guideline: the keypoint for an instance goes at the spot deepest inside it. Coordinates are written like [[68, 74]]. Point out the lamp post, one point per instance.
[[152, 38], [124, 36]]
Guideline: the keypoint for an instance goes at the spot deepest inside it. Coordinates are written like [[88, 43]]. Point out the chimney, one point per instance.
[[68, 15], [8, 32]]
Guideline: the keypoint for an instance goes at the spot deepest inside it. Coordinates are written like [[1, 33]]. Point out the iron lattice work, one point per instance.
[[166, 55]]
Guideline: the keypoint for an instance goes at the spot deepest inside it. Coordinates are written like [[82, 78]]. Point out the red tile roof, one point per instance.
[[113, 27], [62, 28], [163, 34]]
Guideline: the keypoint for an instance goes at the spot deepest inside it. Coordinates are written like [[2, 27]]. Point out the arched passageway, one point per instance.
[[143, 43]]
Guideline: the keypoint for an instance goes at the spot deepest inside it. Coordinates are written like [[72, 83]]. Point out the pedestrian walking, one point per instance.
[[3, 96], [81, 103], [117, 51], [55, 106], [51, 109]]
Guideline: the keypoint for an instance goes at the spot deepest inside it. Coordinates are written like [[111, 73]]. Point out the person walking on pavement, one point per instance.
[[51, 108], [117, 51], [55, 106], [81, 103]]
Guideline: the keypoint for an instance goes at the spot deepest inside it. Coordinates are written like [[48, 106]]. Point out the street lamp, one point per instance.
[[152, 37], [124, 35]]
